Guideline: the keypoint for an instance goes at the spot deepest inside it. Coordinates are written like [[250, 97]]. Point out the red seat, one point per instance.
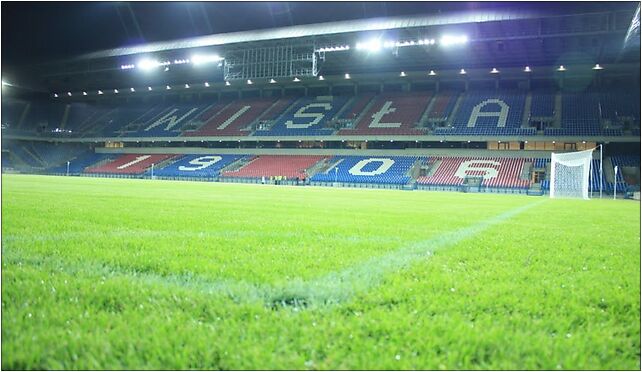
[[290, 166], [508, 172], [408, 109], [130, 164]]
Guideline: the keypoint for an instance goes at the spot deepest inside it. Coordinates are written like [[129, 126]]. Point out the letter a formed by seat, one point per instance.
[[501, 115]]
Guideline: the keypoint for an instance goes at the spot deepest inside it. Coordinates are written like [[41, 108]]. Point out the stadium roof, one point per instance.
[[318, 29]]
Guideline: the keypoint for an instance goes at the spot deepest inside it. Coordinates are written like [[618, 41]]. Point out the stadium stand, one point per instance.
[[617, 105], [483, 113], [278, 108], [78, 164], [357, 106], [308, 117], [580, 115], [496, 172], [368, 169], [392, 114], [130, 164], [168, 122], [624, 179], [204, 166], [290, 166], [444, 103], [234, 118], [543, 104]]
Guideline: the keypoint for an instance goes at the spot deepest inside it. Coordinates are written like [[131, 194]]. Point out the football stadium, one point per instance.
[[321, 186]]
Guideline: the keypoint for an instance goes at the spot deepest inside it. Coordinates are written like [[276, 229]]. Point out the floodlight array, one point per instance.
[[346, 76], [149, 64], [374, 45], [337, 48]]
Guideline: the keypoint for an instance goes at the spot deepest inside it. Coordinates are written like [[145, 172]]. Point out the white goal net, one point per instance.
[[570, 174]]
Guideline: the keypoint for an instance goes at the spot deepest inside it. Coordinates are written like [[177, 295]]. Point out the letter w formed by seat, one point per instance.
[[170, 119], [501, 115]]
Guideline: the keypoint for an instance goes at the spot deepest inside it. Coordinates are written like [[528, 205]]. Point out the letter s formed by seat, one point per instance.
[[300, 113]]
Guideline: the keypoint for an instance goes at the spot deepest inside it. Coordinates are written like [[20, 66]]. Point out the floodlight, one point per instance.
[[462, 72], [561, 68], [201, 59], [448, 40], [100, 92], [147, 64], [402, 74], [55, 95], [373, 45], [296, 80], [432, 73], [494, 71], [167, 87], [249, 82], [347, 76], [227, 83], [321, 77], [69, 94], [5, 83], [598, 67], [115, 91], [186, 86], [272, 81], [527, 69], [132, 89], [207, 85], [149, 88]]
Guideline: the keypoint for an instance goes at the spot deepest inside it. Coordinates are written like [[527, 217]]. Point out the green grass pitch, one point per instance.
[[137, 274]]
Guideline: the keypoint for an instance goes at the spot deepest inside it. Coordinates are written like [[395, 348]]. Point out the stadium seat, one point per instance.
[[201, 165], [234, 119], [392, 114], [290, 166], [130, 164], [484, 113], [496, 172], [368, 169], [307, 118]]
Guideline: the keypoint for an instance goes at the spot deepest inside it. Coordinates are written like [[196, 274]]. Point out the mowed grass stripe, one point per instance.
[[554, 287], [331, 288], [225, 232]]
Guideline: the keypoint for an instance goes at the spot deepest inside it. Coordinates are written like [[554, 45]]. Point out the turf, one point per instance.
[[137, 274]]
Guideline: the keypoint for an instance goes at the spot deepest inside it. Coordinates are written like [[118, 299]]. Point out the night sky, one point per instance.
[[34, 32]]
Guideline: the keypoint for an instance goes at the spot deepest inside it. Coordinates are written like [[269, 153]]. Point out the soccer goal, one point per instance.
[[570, 174]]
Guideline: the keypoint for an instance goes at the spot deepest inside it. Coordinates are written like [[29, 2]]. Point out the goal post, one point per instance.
[[570, 174]]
